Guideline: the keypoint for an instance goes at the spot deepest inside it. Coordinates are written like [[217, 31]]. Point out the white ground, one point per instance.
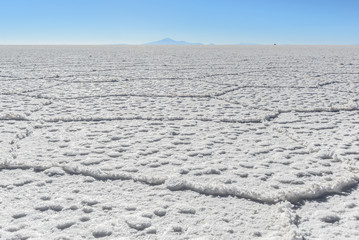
[[179, 142]]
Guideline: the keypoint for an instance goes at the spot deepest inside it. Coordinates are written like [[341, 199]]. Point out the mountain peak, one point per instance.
[[170, 41]]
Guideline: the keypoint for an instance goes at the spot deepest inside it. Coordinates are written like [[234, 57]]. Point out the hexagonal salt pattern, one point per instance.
[[123, 107], [209, 142], [70, 206], [246, 158]]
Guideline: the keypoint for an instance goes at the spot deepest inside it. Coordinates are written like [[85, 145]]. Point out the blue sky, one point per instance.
[[206, 21]]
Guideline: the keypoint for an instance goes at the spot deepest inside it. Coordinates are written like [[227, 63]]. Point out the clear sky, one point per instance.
[[206, 21]]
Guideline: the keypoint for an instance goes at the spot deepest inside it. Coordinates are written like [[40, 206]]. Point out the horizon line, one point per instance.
[[198, 45]]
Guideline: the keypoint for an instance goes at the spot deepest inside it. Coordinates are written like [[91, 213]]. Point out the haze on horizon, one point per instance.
[[205, 21]]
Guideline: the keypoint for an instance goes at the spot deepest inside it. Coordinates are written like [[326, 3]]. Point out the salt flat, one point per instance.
[[181, 142]]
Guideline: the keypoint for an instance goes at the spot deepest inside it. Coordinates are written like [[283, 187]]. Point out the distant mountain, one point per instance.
[[169, 41], [247, 44]]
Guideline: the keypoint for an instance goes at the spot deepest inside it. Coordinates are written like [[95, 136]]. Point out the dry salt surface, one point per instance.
[[204, 142]]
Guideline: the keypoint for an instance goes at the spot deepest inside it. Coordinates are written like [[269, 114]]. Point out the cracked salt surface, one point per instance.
[[179, 143]]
